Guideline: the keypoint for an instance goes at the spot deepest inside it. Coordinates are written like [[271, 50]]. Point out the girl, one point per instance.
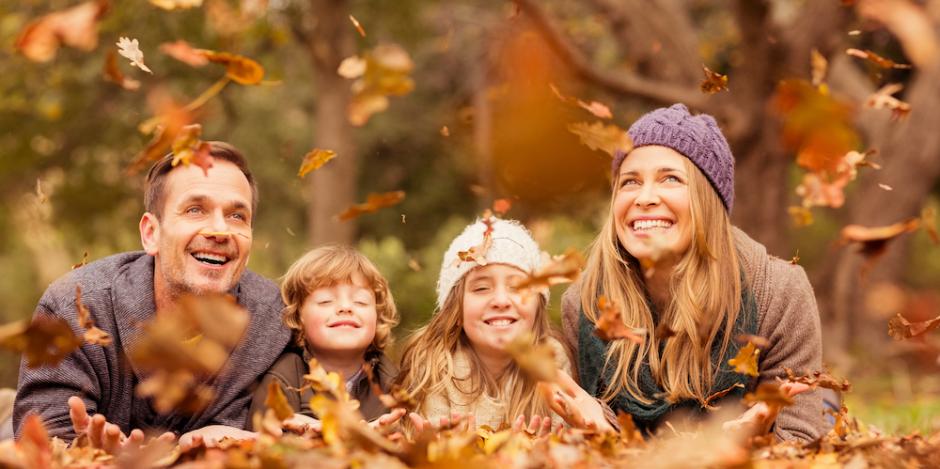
[[457, 365], [341, 312], [668, 256]]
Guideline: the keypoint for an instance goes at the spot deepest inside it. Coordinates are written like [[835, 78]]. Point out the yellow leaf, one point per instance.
[[606, 138], [239, 68], [315, 159], [277, 401], [745, 362]]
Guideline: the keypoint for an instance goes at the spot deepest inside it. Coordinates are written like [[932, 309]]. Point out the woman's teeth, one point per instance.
[[651, 224]]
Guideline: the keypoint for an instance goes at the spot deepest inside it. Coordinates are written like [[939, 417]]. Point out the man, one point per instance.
[[196, 232]]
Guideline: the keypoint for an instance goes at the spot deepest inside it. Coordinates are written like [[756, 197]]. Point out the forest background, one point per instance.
[[491, 100]]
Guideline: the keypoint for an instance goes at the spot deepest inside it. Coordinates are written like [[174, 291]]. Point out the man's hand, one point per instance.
[[573, 404], [759, 419], [211, 436], [102, 434]]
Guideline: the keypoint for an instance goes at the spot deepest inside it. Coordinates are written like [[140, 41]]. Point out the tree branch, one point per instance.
[[622, 82]]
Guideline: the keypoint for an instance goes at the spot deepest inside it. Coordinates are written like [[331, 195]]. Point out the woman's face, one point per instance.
[[651, 205], [494, 313]]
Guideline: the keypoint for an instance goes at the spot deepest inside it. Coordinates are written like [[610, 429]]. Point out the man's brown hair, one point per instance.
[[154, 197]]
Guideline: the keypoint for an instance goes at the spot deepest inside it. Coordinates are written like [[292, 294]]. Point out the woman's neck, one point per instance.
[[658, 282]]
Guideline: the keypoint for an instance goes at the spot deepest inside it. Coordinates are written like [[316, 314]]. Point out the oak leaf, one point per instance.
[[374, 202], [130, 49], [314, 160]]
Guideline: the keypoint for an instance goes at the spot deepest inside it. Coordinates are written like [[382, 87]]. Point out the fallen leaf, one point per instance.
[[714, 82], [718, 395], [74, 27], [176, 4], [876, 59], [240, 69], [745, 362], [113, 73], [610, 326], [883, 99], [93, 335], [277, 401], [45, 341], [606, 138], [355, 22], [374, 202], [182, 51], [314, 160], [130, 49], [900, 328], [555, 270]]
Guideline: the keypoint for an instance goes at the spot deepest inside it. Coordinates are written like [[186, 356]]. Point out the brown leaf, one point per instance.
[[911, 23], [928, 221], [182, 51], [93, 335], [821, 380], [170, 119], [478, 253], [535, 360], [900, 328], [83, 262], [189, 149], [875, 59], [714, 82], [873, 241], [555, 270], [663, 332], [240, 69], [45, 341], [277, 401], [745, 362], [395, 398], [883, 99], [314, 160], [596, 108], [374, 202], [629, 434], [610, 325], [113, 73], [718, 395], [379, 73], [769, 393], [606, 138], [74, 27]]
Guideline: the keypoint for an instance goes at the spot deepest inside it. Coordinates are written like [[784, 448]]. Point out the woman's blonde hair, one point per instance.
[[326, 266], [428, 365], [705, 288]]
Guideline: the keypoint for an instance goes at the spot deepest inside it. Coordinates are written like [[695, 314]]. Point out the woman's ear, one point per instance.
[[150, 233]]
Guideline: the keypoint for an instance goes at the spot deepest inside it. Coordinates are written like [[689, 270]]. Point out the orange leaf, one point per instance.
[[93, 335], [819, 66], [745, 362], [714, 82], [45, 341], [554, 271], [876, 59], [501, 206], [873, 240], [374, 202], [610, 325], [900, 328], [594, 107], [769, 393], [315, 159], [606, 138], [355, 22], [277, 401], [75, 27], [182, 51], [113, 73], [535, 360], [240, 69]]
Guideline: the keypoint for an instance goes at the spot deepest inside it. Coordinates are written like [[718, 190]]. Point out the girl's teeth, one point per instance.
[[500, 322], [650, 224]]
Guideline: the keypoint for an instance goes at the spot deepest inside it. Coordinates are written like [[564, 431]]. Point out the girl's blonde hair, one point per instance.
[[428, 365], [326, 266], [706, 299]]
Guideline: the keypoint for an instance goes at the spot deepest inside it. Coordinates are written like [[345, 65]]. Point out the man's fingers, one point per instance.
[[112, 438], [168, 437], [136, 438], [78, 413], [96, 430]]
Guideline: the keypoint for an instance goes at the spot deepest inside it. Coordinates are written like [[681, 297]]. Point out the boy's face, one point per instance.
[[340, 319]]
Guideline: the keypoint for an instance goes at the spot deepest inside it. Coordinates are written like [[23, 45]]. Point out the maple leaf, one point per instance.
[[745, 362], [130, 49], [374, 202], [182, 51], [900, 328], [594, 107], [714, 82], [555, 270], [93, 335], [277, 401], [535, 360], [819, 379], [74, 27], [314, 160], [238, 68], [606, 138], [873, 241], [819, 66], [113, 74], [610, 325], [45, 341], [176, 4], [883, 99], [875, 59]]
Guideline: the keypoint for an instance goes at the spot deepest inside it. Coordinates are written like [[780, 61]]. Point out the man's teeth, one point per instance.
[[649, 224], [500, 322], [208, 258]]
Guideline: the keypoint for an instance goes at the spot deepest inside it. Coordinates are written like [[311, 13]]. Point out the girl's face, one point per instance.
[[340, 319], [493, 311], [652, 206]]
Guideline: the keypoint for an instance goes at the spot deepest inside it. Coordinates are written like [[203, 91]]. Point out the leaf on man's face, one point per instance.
[[314, 160], [606, 138], [93, 335], [900, 328], [240, 69], [555, 270], [182, 51], [745, 362], [876, 59], [610, 325], [374, 202], [74, 27], [535, 360], [45, 341], [714, 82]]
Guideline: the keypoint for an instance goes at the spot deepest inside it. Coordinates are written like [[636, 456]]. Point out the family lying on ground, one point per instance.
[[676, 184]]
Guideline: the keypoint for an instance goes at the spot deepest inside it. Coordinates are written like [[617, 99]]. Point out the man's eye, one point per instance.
[[239, 216]]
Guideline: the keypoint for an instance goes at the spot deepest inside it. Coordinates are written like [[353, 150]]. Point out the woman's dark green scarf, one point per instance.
[[592, 352]]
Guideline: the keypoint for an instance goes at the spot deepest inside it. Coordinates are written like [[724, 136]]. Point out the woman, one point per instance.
[[670, 259]]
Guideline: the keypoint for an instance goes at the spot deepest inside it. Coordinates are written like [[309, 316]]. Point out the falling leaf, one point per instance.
[[323, 381], [610, 326], [374, 202], [355, 22], [414, 265], [876, 59], [718, 395], [928, 221], [801, 216], [352, 67], [45, 341], [745, 362], [535, 360], [182, 51], [714, 82], [555, 270], [873, 241], [396, 397], [277, 401], [478, 253], [83, 262], [769, 393], [883, 99], [819, 379], [885, 187], [113, 73], [606, 138], [93, 335], [501, 206], [379, 73], [596, 108], [900, 328], [176, 4], [445, 132], [189, 149], [819, 66], [74, 27], [169, 121], [911, 23], [240, 69], [315, 159], [130, 49]]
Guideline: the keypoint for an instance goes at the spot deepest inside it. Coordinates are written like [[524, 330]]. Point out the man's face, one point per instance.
[[201, 242]]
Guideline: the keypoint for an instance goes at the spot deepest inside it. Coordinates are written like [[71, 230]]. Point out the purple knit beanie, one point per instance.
[[698, 138]]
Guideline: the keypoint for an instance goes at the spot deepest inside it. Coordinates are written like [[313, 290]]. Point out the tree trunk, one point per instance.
[[332, 188]]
